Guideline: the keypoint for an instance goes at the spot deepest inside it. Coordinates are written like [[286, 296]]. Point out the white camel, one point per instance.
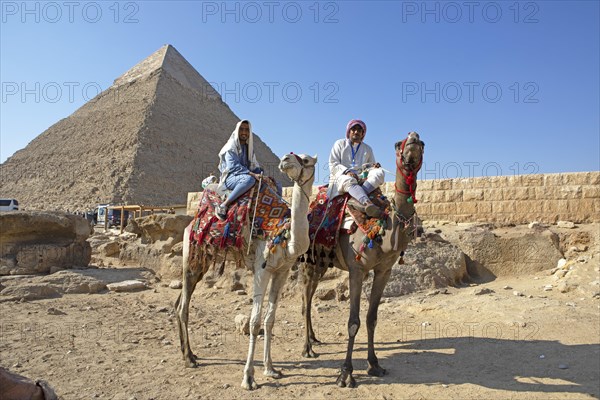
[[275, 267], [267, 267]]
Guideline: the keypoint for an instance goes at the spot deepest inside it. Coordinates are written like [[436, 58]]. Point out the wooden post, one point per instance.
[[122, 217]]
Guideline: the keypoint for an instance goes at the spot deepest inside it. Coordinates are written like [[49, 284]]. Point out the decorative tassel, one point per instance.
[[410, 200], [370, 244], [401, 259], [358, 257], [226, 230]]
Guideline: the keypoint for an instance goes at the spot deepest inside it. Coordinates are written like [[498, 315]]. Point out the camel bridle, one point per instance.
[[404, 168], [300, 182]]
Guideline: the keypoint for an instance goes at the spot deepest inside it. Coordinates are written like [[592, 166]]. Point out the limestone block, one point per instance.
[[478, 183], [569, 192], [462, 183], [533, 180], [453, 195], [469, 207], [552, 180], [511, 254], [425, 184], [472, 194], [442, 184], [436, 196], [423, 208], [484, 207], [545, 193], [528, 206], [503, 207], [590, 191], [593, 178], [39, 242], [193, 199], [493, 194]]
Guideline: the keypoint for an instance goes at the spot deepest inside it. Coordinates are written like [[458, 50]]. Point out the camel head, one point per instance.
[[409, 153], [298, 167]]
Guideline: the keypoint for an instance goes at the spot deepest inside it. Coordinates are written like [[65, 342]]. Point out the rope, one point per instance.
[[254, 214]]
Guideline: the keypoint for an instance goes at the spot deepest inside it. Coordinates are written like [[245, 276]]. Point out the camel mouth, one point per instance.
[[285, 165]]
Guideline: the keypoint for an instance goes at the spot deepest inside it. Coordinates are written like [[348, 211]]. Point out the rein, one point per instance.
[[411, 177]]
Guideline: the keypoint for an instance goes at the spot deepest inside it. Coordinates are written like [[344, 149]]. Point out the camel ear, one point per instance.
[[315, 157], [398, 145]]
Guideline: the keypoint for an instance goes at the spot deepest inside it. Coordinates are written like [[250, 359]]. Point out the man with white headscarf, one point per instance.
[[346, 161], [238, 165]]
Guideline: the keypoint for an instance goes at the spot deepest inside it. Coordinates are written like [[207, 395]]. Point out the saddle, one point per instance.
[[326, 216], [267, 209]]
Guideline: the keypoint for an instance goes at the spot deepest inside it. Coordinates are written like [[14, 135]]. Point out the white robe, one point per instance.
[[341, 160]]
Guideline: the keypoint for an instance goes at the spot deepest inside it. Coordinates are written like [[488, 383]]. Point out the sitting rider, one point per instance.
[[238, 165], [346, 161]]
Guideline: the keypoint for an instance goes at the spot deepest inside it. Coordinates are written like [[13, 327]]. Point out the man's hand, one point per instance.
[[352, 174]]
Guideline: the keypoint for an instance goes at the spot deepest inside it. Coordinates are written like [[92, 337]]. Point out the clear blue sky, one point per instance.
[[492, 87]]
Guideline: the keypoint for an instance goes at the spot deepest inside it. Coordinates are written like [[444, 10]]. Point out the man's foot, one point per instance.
[[368, 208], [221, 212]]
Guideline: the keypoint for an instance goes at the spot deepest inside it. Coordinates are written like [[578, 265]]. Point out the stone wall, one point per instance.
[[515, 199]]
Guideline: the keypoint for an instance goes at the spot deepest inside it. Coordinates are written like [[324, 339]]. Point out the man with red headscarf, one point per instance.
[[350, 157]]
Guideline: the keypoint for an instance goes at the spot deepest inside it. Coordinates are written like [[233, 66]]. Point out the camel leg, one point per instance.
[[312, 276], [379, 281], [356, 279], [261, 280], [190, 279], [277, 283]]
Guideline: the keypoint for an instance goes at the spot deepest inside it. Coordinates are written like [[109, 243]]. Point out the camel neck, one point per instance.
[[299, 241], [404, 208]]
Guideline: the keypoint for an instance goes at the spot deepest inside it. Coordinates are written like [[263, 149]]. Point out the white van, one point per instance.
[[9, 205]]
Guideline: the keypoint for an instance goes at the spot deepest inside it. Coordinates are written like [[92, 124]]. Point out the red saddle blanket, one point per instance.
[[270, 214], [325, 217]]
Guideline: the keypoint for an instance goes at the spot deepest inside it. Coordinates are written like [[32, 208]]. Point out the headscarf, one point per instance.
[[233, 143], [355, 122]]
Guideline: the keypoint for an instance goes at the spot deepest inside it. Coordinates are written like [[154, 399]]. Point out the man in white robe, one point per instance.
[[349, 158]]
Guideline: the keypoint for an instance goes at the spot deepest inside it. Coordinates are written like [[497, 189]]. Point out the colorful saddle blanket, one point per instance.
[[270, 214], [325, 217]]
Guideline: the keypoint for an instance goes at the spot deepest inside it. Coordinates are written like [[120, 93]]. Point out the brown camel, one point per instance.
[[379, 259]]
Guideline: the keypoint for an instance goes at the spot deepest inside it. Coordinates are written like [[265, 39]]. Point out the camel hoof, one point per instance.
[[309, 353], [352, 383], [191, 363], [249, 383], [346, 380], [376, 370], [273, 373]]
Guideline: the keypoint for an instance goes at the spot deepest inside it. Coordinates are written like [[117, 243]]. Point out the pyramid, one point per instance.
[[148, 139]]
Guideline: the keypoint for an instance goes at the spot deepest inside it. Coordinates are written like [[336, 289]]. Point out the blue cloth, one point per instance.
[[238, 184], [238, 164]]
